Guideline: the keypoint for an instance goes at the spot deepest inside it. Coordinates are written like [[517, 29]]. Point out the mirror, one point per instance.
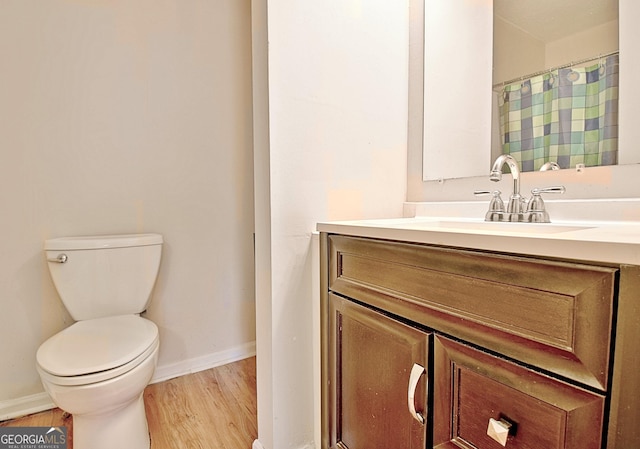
[[538, 55], [463, 147]]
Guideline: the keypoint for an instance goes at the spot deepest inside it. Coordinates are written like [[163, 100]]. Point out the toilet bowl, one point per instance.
[[97, 368]]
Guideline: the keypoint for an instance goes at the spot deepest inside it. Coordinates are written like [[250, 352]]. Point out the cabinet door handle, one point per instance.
[[414, 377]]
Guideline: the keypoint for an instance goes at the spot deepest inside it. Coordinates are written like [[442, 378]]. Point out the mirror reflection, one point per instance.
[[555, 83]]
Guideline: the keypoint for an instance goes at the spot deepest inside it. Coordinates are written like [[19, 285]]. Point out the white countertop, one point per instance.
[[603, 241]]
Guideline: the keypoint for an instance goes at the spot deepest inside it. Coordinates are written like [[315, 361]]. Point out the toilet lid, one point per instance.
[[96, 345]]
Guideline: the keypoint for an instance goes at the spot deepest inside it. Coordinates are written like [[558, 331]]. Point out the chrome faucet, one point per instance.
[[550, 166], [518, 208], [516, 203]]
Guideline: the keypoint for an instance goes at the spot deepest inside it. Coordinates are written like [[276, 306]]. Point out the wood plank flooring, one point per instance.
[[215, 408]]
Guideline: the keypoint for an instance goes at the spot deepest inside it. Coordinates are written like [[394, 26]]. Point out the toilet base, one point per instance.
[[124, 427], [108, 414]]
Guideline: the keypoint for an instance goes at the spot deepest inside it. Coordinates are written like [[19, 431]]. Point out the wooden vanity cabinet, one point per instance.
[[506, 342]]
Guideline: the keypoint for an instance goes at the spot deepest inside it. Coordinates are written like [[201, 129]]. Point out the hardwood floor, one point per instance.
[[215, 408]]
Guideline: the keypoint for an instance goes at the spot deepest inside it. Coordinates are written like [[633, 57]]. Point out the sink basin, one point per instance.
[[472, 225], [494, 226]]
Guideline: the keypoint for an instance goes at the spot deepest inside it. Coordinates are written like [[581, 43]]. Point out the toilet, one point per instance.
[[97, 368]]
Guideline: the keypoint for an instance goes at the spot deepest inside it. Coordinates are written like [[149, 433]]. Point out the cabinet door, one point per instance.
[[484, 402], [371, 361]]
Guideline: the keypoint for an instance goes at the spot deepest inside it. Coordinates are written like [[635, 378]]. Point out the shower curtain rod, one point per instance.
[[542, 72]]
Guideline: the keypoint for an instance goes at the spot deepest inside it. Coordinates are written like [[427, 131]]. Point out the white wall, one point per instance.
[[515, 52], [629, 107], [598, 40], [128, 116], [450, 55], [337, 124]]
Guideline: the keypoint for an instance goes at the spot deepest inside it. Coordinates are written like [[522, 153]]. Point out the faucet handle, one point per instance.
[[536, 209], [496, 205], [552, 189], [487, 192]]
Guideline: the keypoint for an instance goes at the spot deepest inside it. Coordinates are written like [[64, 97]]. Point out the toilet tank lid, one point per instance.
[[102, 241]]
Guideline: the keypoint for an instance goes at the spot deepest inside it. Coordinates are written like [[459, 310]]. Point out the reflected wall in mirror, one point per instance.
[[456, 88], [555, 82]]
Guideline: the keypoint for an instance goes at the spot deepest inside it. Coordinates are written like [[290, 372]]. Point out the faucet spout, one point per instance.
[[515, 202], [518, 209]]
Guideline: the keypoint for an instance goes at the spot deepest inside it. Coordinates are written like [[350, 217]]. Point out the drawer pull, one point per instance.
[[499, 430], [414, 378]]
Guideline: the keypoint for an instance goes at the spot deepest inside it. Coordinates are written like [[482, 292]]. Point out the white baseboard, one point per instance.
[[25, 405], [39, 402], [257, 445], [177, 369]]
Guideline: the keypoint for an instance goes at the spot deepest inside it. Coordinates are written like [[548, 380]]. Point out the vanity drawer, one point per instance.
[[473, 388], [550, 314]]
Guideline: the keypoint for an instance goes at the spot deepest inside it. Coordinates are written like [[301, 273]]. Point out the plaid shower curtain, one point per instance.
[[568, 116]]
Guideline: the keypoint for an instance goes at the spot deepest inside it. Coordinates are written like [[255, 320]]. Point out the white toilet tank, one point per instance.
[[106, 275]]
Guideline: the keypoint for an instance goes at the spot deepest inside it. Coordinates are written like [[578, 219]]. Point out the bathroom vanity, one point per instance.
[[447, 333]]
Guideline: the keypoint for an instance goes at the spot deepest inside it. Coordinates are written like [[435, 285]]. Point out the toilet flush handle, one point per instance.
[[62, 258]]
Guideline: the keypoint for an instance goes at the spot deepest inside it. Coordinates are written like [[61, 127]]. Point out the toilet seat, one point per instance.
[[97, 350]]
